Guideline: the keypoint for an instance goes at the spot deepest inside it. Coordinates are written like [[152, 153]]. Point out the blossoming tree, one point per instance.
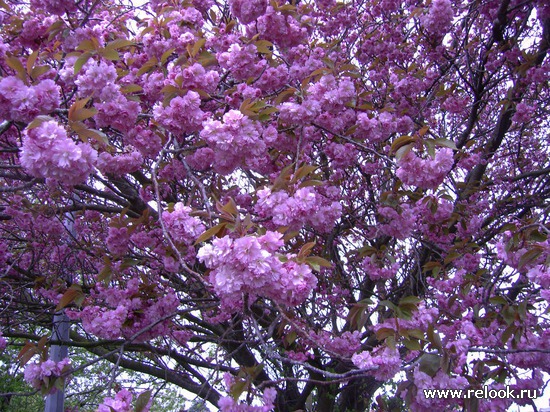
[[279, 205]]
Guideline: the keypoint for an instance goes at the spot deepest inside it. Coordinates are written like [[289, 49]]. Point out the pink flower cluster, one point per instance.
[[345, 345], [341, 155], [3, 342], [300, 114], [126, 312], [332, 94], [422, 319], [250, 265], [98, 81], [242, 61], [43, 374], [183, 227], [280, 29], [305, 206], [439, 18], [236, 141], [540, 274], [248, 10], [376, 272], [117, 240], [182, 116], [122, 402], [193, 77], [23, 103], [118, 112], [327, 95], [381, 127], [58, 7], [440, 381], [228, 404], [48, 152], [385, 363], [425, 173], [145, 140], [120, 164], [398, 224]]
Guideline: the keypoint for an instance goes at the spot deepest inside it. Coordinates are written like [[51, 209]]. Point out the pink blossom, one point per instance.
[[117, 112], [425, 173], [236, 141], [23, 103], [120, 164], [122, 402], [3, 342], [439, 18], [242, 61], [48, 152], [248, 11], [228, 404], [43, 374], [58, 7], [249, 265], [183, 115], [183, 227], [384, 364], [117, 240], [305, 206], [98, 81]]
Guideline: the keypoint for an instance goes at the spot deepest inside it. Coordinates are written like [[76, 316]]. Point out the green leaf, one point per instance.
[[210, 233], [38, 120], [237, 389], [498, 300], [383, 333], [290, 338], [142, 401], [409, 300], [197, 46], [445, 143], [357, 316], [400, 142], [264, 46], [412, 344], [69, 296], [16, 65], [430, 364], [109, 54], [31, 60], [119, 44], [316, 262], [303, 172], [81, 61], [529, 257], [388, 304], [507, 334]]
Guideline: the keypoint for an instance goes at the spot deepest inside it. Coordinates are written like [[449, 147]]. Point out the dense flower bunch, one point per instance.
[[229, 404], [425, 173], [236, 141], [248, 11], [48, 152], [385, 363], [305, 206], [23, 103], [42, 375], [182, 115], [127, 313], [307, 196], [249, 265], [122, 402]]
